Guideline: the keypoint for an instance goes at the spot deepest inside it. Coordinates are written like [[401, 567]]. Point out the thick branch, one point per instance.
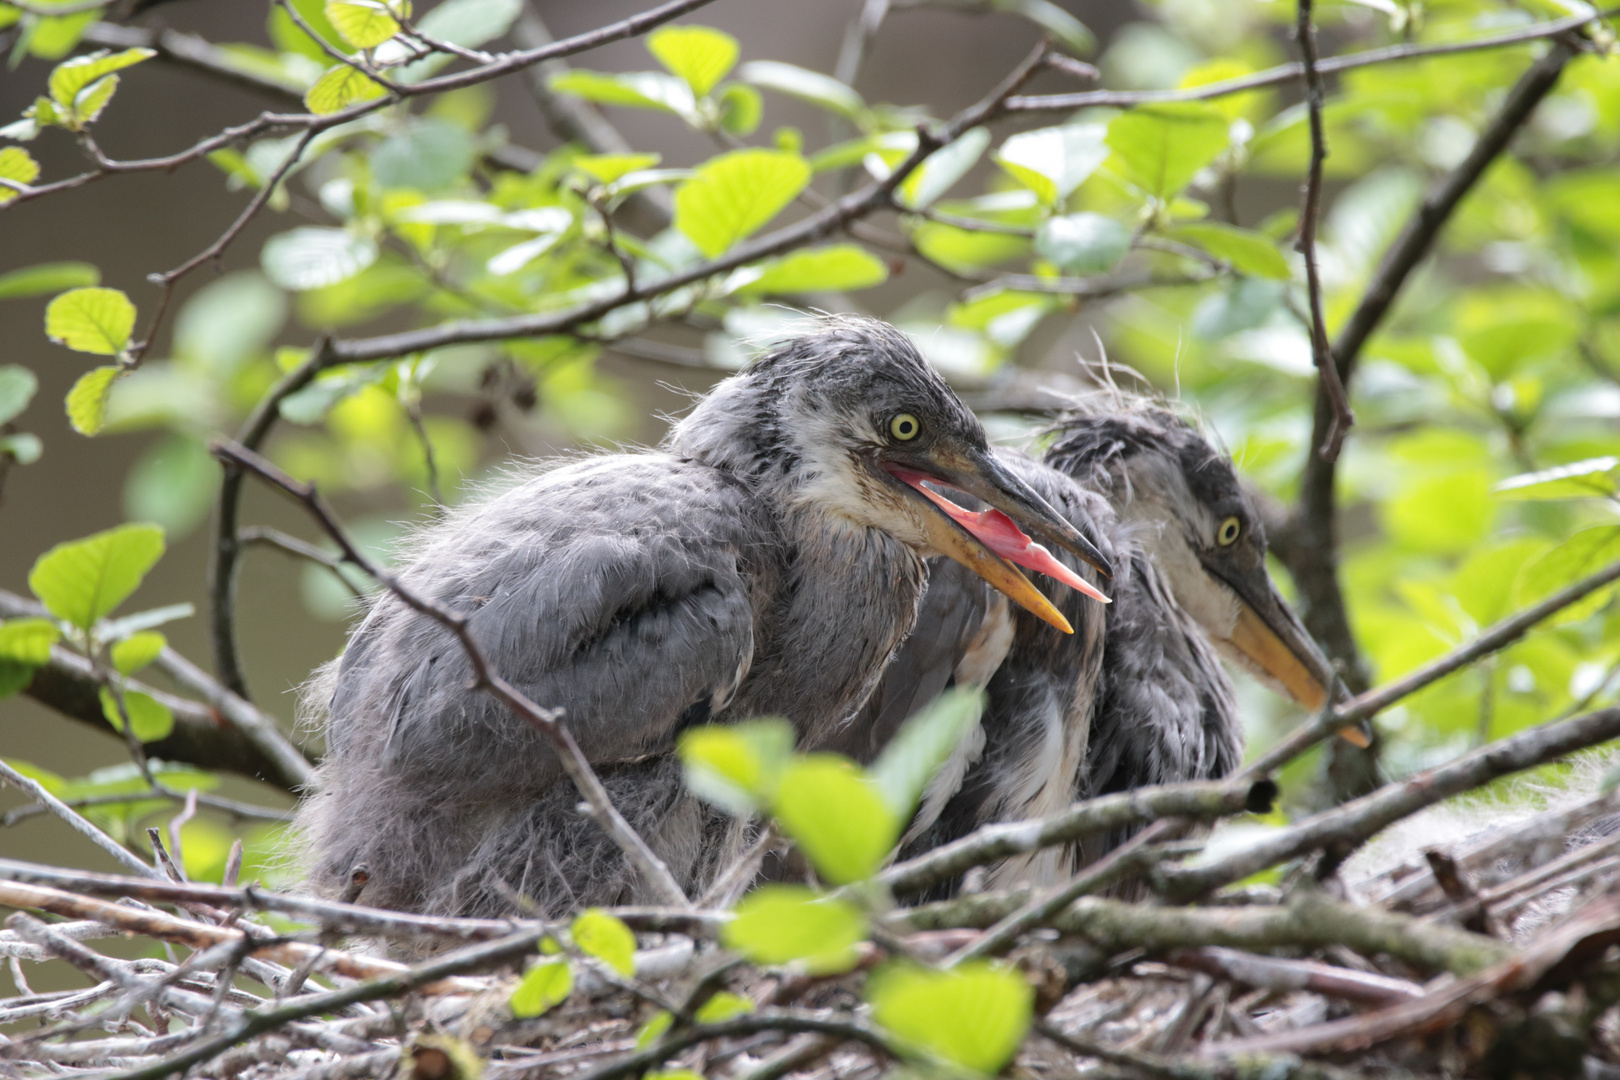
[[1347, 826]]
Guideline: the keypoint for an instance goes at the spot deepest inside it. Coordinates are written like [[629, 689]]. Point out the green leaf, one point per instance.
[[1594, 477], [1439, 514], [598, 934], [311, 257], [741, 110], [149, 718], [173, 485], [91, 100], [1053, 161], [837, 817], [470, 23], [365, 24], [91, 320], [1083, 243], [18, 167], [653, 1030], [700, 55], [806, 85], [137, 650], [46, 277], [23, 448], [606, 168], [546, 985], [940, 171], [1064, 28], [1159, 148], [826, 269], [17, 387], [87, 401], [54, 38], [339, 88], [14, 678], [724, 1006], [738, 766], [82, 581], [1249, 252], [229, 322], [777, 924], [426, 155], [923, 744], [72, 76], [734, 194], [637, 90], [974, 1015], [1583, 554], [28, 641]]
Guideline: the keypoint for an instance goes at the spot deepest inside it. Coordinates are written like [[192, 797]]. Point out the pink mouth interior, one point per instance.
[[1001, 534]]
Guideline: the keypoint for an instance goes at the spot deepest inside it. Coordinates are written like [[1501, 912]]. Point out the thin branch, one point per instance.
[[546, 721], [35, 791], [272, 537], [1284, 74], [1345, 827], [1201, 799], [1316, 573], [1285, 975], [1332, 386]]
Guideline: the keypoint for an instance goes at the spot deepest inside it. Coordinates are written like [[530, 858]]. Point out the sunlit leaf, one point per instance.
[[149, 718], [1064, 27], [734, 194], [364, 24], [1582, 555], [1248, 252], [28, 640], [741, 110], [828, 269], [23, 447], [974, 1015], [545, 985], [836, 815], [723, 1006], [339, 88], [606, 168], [737, 766], [700, 55], [598, 934], [637, 89], [136, 651], [943, 168], [91, 320], [777, 924], [910, 761], [1053, 161], [1160, 148], [1577, 480], [1446, 513], [70, 77], [87, 401], [82, 581]]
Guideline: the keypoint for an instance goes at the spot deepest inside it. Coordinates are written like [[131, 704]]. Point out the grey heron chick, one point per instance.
[[1152, 704], [767, 559]]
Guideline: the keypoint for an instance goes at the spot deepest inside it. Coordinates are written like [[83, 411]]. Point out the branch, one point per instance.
[[1203, 799], [546, 721], [1310, 920], [36, 791], [1345, 827], [1283, 975], [1331, 386], [1316, 574], [1289, 73]]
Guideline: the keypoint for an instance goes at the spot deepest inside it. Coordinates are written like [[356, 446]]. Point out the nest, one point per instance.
[[1489, 956]]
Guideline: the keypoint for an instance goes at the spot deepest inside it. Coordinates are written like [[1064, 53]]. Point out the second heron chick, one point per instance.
[[766, 560]]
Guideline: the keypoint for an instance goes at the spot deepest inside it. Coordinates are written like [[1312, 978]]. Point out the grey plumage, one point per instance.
[[766, 560], [1151, 704]]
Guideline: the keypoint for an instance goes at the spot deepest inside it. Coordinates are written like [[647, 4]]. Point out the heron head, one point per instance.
[[1203, 531], [852, 422]]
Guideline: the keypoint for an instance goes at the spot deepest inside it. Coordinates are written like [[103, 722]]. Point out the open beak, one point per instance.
[[990, 542], [1271, 637]]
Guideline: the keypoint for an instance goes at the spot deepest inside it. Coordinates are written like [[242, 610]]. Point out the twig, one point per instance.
[[269, 536], [34, 790], [1328, 373], [1316, 572], [1164, 1067], [546, 721], [1341, 829], [1309, 920], [1202, 799], [1279, 974]]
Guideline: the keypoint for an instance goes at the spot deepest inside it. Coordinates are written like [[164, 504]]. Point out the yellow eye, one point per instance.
[[1229, 531], [905, 427]]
